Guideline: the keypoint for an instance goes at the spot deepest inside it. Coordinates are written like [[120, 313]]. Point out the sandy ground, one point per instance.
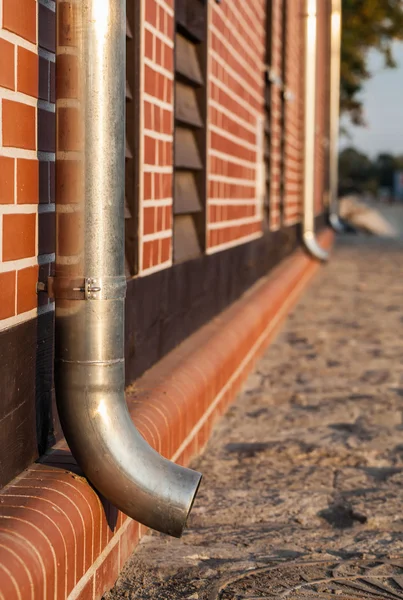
[[302, 494]]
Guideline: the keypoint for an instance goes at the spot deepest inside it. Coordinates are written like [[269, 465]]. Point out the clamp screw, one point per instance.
[[41, 287]]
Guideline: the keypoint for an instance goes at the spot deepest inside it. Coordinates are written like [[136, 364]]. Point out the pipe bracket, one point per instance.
[[272, 77], [288, 95], [88, 288]]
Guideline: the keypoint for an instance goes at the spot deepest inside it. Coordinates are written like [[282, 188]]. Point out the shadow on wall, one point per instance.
[[47, 425], [63, 460]]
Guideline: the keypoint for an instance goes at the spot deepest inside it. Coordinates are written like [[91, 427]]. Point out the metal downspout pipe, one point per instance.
[[308, 226], [89, 284], [335, 37]]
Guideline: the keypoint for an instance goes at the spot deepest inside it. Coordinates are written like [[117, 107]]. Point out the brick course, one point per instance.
[[19, 236], [27, 72], [20, 17], [26, 289], [7, 67], [7, 295], [19, 125], [7, 169], [27, 181]]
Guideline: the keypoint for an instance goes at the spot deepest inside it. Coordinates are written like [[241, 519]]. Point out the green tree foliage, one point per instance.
[[385, 166], [358, 173], [367, 24], [355, 171]]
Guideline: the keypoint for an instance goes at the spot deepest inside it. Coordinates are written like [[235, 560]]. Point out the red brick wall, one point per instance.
[[157, 157], [235, 92], [236, 86], [27, 45]]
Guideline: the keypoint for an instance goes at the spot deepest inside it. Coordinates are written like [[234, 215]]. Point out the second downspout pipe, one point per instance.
[[335, 37], [308, 225], [89, 284]]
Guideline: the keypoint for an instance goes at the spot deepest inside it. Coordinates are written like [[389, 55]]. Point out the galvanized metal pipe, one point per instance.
[[308, 225], [335, 40], [89, 284]]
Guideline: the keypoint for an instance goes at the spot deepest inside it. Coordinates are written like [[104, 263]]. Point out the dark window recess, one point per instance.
[[132, 138], [190, 129], [268, 110]]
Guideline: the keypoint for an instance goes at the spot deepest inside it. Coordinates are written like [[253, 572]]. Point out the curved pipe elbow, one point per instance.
[[312, 246], [90, 283], [336, 223], [114, 456]]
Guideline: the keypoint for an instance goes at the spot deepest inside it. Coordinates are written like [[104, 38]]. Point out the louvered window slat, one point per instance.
[[186, 194], [129, 34], [186, 151], [186, 242], [187, 63], [129, 95], [127, 209], [190, 129], [186, 108], [190, 16], [128, 152]]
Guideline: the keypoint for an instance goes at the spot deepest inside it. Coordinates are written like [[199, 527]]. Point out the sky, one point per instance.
[[382, 97]]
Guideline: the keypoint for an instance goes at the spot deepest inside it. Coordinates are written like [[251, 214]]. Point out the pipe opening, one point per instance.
[[336, 223], [314, 249]]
